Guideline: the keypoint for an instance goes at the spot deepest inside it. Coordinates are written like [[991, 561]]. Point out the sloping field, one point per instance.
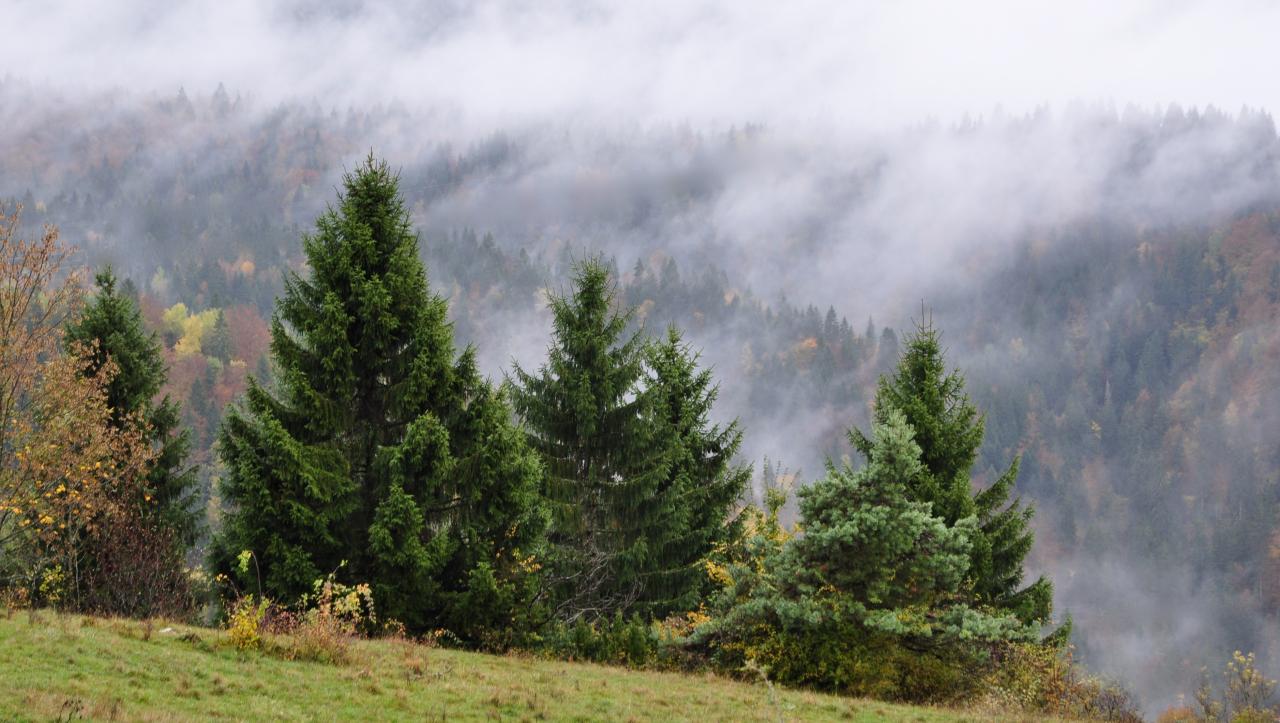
[[71, 667]]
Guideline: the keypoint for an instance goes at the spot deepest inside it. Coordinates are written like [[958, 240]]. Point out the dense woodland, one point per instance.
[[1126, 358]]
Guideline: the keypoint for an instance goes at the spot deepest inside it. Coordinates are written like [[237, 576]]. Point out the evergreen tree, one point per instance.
[[892, 562], [702, 483], [379, 447], [949, 431], [875, 576], [586, 411], [112, 326], [202, 411], [887, 350], [217, 343]]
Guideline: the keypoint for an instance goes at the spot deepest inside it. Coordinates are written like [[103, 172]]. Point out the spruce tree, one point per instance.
[[586, 413], [217, 344], [379, 446], [112, 327], [701, 485], [876, 578], [949, 430], [886, 559]]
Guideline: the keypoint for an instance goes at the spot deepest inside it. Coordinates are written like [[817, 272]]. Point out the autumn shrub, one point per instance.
[[1044, 679], [70, 465], [13, 599], [1098, 699], [1178, 714], [1247, 695], [1029, 677], [137, 570], [318, 637], [320, 627], [245, 622], [328, 620]]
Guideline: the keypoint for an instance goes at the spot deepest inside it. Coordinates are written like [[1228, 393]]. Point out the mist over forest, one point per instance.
[[1088, 211]]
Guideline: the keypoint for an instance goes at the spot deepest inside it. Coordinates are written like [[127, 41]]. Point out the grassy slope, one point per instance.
[[64, 666]]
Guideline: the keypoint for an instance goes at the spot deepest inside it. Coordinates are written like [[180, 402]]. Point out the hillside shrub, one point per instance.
[[617, 640], [245, 622], [841, 657], [137, 570], [1247, 694], [1044, 679], [329, 620], [320, 627]]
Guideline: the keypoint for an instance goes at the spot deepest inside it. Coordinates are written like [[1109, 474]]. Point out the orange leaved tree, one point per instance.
[[70, 482]]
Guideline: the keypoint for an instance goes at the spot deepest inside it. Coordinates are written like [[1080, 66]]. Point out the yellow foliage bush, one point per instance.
[[53, 583], [321, 628], [245, 624], [1044, 679]]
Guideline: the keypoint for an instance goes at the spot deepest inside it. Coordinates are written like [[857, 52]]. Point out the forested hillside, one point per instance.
[[1136, 374]]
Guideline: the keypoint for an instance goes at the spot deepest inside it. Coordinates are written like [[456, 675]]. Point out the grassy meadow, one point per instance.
[[71, 667]]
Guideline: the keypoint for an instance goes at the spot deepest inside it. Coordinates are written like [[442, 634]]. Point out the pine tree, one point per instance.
[[112, 326], [949, 431], [586, 411], [702, 484], [380, 447]]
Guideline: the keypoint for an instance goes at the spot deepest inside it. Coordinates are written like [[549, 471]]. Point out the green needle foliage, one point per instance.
[[586, 415], [380, 448], [869, 599], [702, 484], [641, 483], [882, 557], [112, 326], [948, 429]]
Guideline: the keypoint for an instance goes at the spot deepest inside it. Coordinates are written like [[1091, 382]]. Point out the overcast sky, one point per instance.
[[717, 61]]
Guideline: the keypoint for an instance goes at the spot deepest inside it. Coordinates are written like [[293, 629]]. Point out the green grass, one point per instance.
[[56, 666]]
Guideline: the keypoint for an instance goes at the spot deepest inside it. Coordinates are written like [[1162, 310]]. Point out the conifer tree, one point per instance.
[[112, 327], [875, 576], [379, 447], [217, 344], [586, 413], [949, 430], [877, 550], [702, 484]]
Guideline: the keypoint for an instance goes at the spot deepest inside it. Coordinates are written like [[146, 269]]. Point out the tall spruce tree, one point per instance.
[[586, 411], [949, 430], [112, 326], [702, 483], [380, 446]]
